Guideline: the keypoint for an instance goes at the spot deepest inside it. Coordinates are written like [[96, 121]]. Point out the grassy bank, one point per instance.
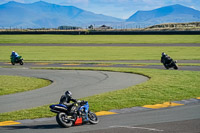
[[15, 84], [61, 53], [164, 85], [99, 39]]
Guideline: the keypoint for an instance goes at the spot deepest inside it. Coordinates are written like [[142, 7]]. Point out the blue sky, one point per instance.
[[117, 8]]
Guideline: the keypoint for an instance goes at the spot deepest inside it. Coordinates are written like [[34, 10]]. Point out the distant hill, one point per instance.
[[169, 14], [45, 15]]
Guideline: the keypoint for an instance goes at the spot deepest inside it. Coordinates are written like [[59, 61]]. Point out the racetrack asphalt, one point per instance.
[[174, 119], [81, 83], [103, 64], [183, 119]]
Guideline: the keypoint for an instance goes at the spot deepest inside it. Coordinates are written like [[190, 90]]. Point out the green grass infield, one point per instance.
[[16, 84], [163, 85], [100, 39], [61, 53]]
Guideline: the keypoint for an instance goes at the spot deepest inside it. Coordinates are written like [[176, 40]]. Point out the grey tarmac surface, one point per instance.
[[95, 64], [81, 83], [182, 119]]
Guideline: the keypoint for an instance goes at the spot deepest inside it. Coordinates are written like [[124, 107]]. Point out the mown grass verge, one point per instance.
[[61, 53], [15, 84], [164, 85], [99, 39]]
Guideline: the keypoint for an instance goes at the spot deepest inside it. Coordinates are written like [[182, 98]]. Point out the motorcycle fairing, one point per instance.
[[58, 107], [78, 121]]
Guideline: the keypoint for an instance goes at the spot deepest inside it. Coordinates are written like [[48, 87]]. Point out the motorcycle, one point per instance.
[[18, 59], [74, 114], [172, 64]]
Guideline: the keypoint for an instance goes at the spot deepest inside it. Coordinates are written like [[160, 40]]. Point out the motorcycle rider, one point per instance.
[[15, 55], [166, 59], [67, 98]]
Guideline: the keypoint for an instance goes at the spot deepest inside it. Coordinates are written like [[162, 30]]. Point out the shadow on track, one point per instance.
[[47, 126]]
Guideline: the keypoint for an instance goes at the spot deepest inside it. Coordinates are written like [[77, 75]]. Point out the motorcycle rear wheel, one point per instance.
[[93, 119], [166, 66], [62, 121]]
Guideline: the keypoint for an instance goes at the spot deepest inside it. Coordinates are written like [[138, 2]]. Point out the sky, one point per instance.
[[117, 8]]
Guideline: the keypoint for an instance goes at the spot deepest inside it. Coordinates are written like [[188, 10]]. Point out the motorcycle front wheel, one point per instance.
[[175, 66], [93, 119], [21, 62], [62, 121]]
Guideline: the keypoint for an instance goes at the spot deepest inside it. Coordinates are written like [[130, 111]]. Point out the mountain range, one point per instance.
[[46, 15], [169, 14], [41, 14]]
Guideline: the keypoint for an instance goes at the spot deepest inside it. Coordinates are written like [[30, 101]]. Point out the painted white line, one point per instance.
[[143, 128]]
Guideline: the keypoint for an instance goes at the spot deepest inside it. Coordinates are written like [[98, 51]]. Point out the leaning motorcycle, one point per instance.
[[76, 114], [172, 64], [15, 60]]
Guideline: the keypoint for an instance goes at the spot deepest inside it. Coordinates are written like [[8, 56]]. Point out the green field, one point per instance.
[[164, 85], [15, 84], [61, 53], [99, 39]]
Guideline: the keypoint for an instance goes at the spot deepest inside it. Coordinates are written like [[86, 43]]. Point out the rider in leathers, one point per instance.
[[165, 59], [67, 98], [15, 55]]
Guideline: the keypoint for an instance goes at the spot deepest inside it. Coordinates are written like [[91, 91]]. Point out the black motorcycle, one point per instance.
[[172, 64], [74, 114], [168, 62]]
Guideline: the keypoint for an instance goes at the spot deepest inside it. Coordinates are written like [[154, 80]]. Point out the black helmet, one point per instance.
[[68, 94], [163, 54]]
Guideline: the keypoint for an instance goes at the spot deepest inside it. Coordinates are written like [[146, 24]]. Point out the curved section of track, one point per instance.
[[81, 83]]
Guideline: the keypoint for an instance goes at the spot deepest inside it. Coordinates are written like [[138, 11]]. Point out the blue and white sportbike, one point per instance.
[[75, 114]]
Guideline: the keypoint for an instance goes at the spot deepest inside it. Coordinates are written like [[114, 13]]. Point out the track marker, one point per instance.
[[6, 63], [105, 113], [7, 123], [164, 105], [103, 64], [142, 128]]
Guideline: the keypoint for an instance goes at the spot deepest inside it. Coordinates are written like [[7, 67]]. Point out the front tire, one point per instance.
[[62, 121], [93, 119], [21, 62], [13, 63], [175, 66]]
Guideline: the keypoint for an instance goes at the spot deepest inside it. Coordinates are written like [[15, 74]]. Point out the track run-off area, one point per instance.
[[176, 116]]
